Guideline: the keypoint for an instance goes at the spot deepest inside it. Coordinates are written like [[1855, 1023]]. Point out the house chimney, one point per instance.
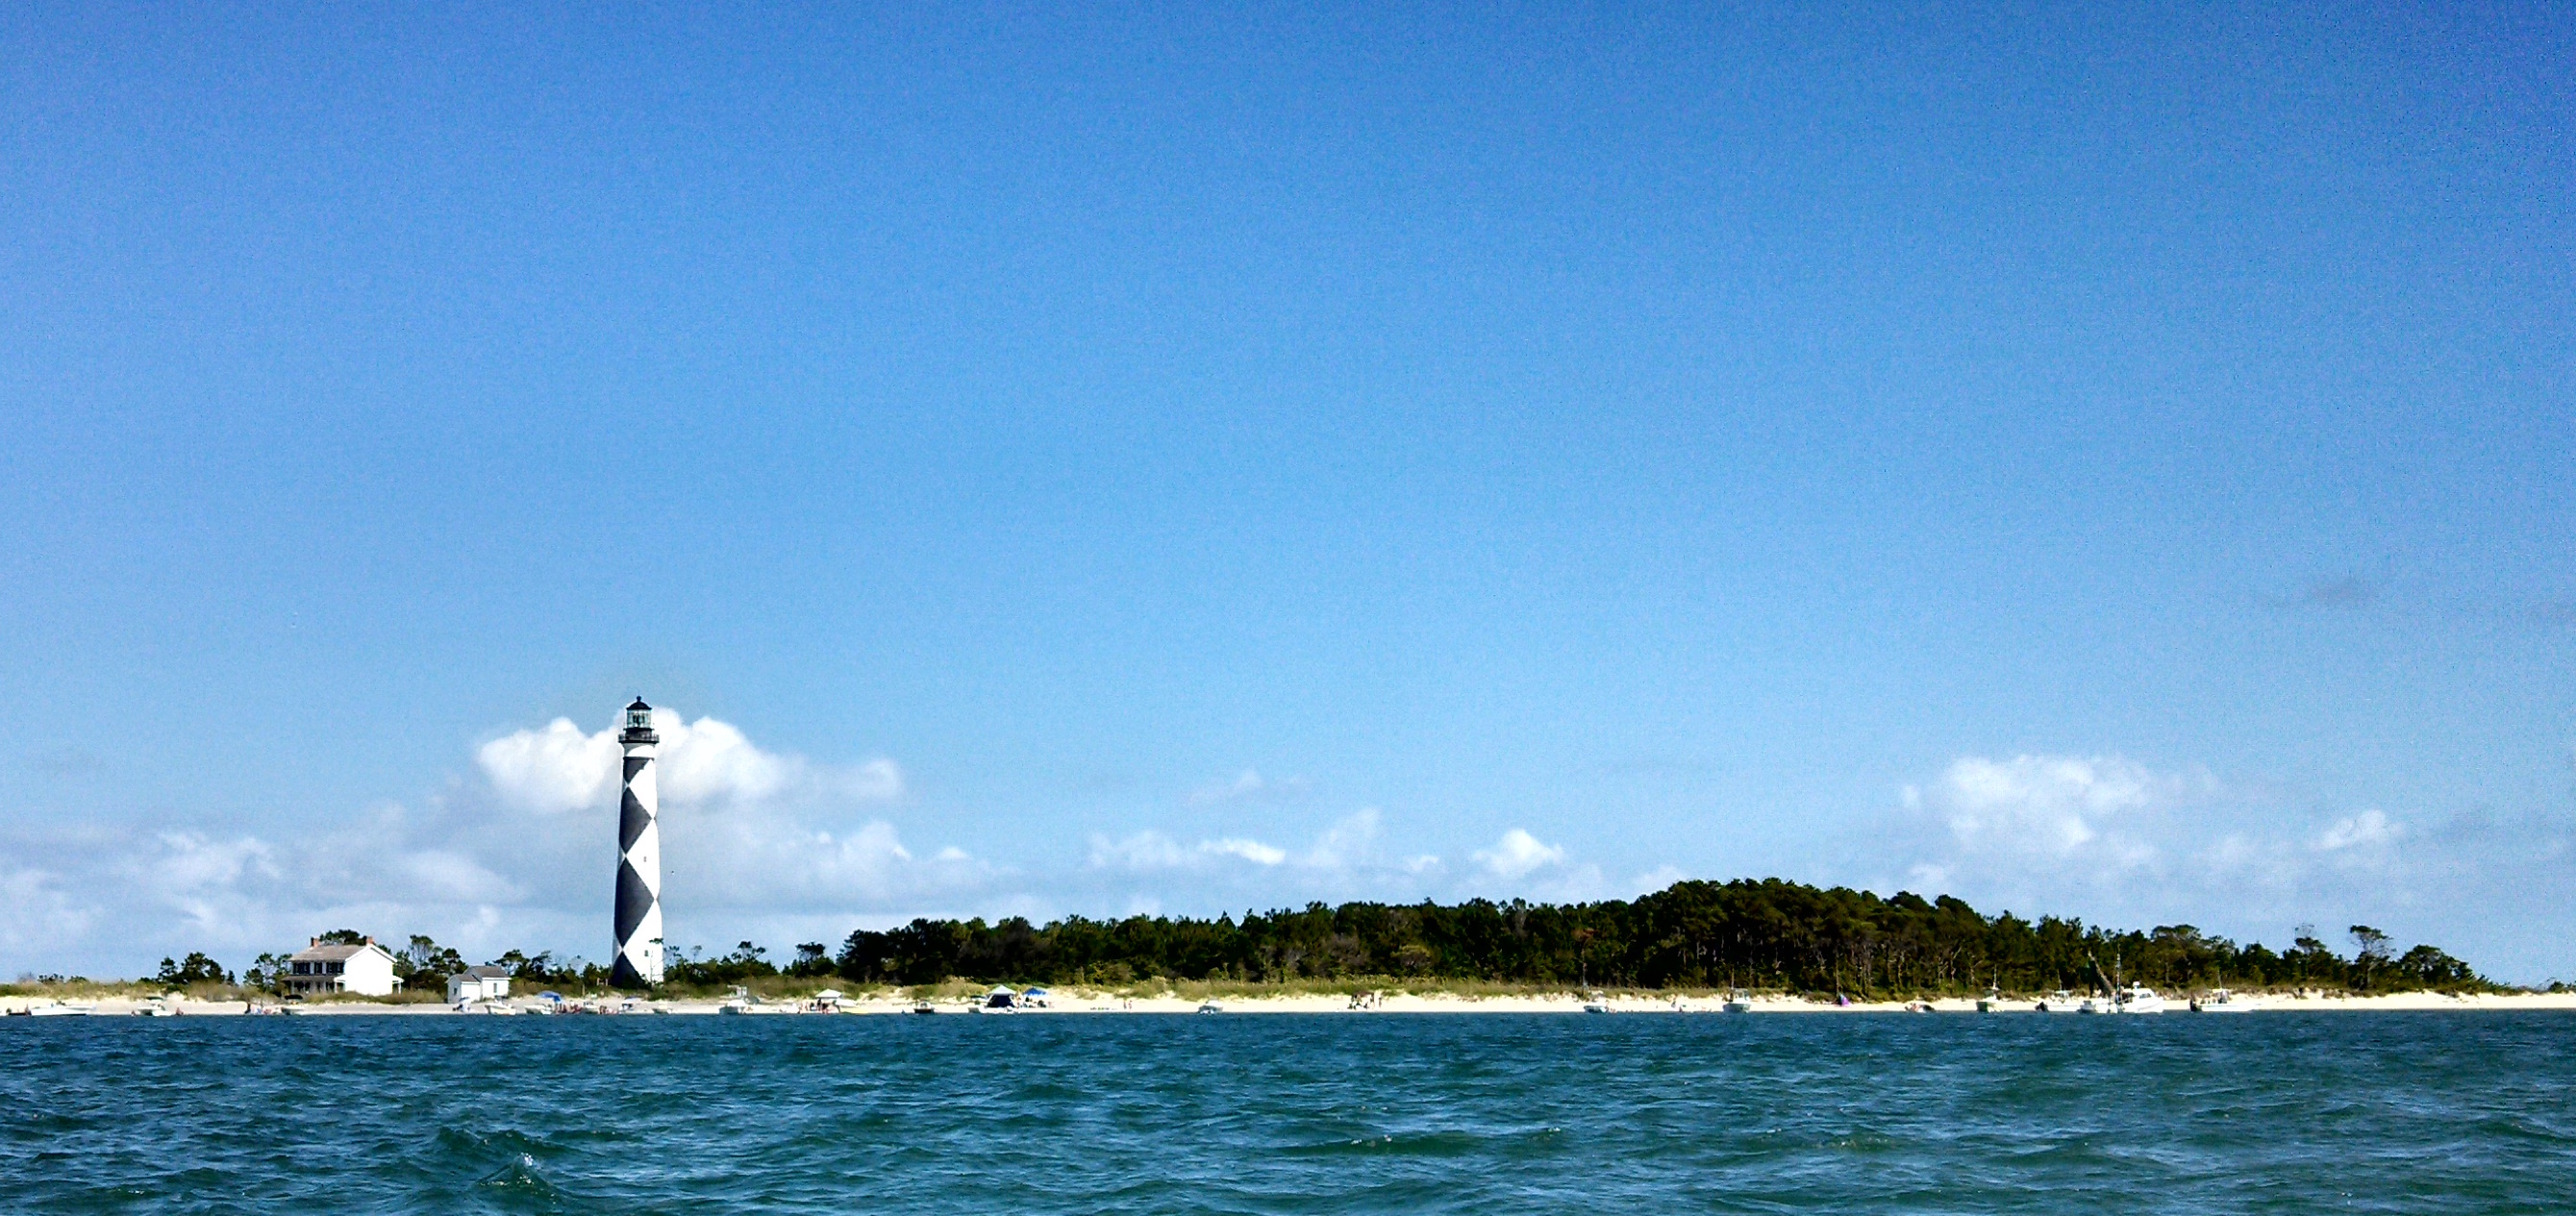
[[314, 942], [371, 941]]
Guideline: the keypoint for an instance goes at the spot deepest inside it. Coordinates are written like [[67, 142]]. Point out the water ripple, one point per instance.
[[1501, 1113]]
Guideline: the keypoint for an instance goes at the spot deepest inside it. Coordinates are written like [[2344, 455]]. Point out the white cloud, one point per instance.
[[708, 761], [711, 761], [207, 881], [2116, 841], [1345, 859], [1348, 844], [2052, 831], [2049, 804], [521, 857], [1656, 879], [35, 911], [1146, 850], [552, 770], [1518, 853], [1250, 850], [1248, 785], [2369, 829], [1151, 850]]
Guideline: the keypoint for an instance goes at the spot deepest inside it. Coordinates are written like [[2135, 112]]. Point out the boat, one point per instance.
[[2223, 1001], [1210, 1007], [1737, 1002], [924, 1007], [2060, 1001], [2137, 998], [62, 1009], [1596, 1003], [1993, 998], [155, 1009]]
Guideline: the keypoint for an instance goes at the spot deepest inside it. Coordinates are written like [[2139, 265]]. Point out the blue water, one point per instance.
[[2329, 1112]]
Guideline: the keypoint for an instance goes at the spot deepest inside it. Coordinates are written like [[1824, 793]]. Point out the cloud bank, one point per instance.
[[492, 862], [760, 843], [515, 853], [2120, 842]]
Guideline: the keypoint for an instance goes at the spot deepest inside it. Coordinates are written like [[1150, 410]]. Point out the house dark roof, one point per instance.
[[332, 953], [488, 973]]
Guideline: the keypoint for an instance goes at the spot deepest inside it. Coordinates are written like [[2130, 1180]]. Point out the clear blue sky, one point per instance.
[[1673, 433]]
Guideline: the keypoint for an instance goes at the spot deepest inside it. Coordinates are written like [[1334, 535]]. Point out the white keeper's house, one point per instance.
[[478, 984], [366, 969]]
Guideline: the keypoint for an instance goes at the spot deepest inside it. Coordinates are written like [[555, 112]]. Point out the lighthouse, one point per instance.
[[639, 858]]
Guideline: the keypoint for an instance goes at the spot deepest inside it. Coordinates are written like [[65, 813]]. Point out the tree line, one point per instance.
[[1762, 934], [1765, 934]]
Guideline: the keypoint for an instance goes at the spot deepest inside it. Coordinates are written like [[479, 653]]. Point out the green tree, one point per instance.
[[195, 969], [424, 965], [265, 971], [1756, 933], [2371, 954]]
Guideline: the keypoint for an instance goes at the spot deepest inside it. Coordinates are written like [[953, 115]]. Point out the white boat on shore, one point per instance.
[[2060, 1001], [2223, 1001], [2136, 998], [62, 1009], [1737, 1002]]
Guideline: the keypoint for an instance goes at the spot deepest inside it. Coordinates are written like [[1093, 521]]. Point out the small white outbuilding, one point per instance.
[[366, 969], [478, 984]]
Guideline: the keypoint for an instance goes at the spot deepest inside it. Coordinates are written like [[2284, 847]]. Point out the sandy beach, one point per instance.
[[1064, 1004]]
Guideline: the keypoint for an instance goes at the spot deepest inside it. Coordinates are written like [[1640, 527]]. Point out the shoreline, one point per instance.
[[1070, 1004]]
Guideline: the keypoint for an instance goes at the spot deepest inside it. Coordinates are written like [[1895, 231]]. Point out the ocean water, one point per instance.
[[2325, 1112]]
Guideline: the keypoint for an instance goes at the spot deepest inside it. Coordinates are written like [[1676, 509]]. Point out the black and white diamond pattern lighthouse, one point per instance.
[[639, 858]]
